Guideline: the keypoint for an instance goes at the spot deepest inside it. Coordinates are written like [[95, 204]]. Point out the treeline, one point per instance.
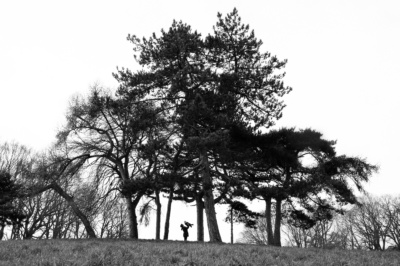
[[373, 224], [194, 125]]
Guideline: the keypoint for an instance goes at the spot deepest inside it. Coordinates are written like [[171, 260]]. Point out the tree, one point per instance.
[[55, 171], [9, 191], [190, 188], [114, 134], [173, 172], [324, 234], [112, 218], [15, 161], [238, 212], [24, 167], [256, 235], [391, 209], [278, 168], [205, 86], [373, 222]]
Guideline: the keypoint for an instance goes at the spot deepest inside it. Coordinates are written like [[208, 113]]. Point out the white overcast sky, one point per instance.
[[343, 64]]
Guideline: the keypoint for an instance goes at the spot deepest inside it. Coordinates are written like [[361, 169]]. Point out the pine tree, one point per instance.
[[205, 86], [275, 170]]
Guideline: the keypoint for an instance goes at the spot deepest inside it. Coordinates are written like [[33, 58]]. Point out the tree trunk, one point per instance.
[[305, 238], [278, 218], [158, 217], [76, 210], [200, 219], [209, 199], [13, 235], [268, 217], [133, 226], [231, 225], [77, 229], [168, 215], [1, 231]]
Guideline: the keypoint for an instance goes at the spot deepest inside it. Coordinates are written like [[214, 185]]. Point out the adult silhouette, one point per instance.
[[185, 229]]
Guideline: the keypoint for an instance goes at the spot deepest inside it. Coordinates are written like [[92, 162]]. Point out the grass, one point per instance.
[[127, 252]]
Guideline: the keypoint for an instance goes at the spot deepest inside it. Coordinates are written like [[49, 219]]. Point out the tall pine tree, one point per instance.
[[207, 85]]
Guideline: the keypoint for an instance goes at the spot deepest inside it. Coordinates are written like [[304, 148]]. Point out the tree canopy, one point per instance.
[[207, 85], [298, 168], [9, 192]]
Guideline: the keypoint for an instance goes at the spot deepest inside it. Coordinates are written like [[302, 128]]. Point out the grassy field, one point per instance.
[[128, 252]]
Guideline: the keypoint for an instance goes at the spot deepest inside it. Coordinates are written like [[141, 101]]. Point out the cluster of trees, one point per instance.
[[192, 125], [38, 202], [373, 224]]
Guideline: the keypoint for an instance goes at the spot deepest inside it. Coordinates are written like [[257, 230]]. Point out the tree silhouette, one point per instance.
[[238, 212], [205, 86], [300, 168], [9, 191], [118, 136]]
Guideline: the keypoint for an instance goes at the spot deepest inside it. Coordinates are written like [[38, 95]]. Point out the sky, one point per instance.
[[343, 65]]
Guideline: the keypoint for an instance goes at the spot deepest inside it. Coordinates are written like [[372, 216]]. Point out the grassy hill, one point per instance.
[[142, 252]]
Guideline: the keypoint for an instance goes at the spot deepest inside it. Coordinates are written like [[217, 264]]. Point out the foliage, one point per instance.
[[9, 192], [300, 169], [206, 85], [15, 163], [238, 212]]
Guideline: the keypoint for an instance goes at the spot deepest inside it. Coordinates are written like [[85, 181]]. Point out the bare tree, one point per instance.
[[371, 226], [391, 209], [38, 210], [15, 158], [115, 134], [56, 171], [257, 235], [112, 217]]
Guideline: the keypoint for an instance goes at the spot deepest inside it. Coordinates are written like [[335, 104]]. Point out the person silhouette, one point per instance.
[[185, 229]]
